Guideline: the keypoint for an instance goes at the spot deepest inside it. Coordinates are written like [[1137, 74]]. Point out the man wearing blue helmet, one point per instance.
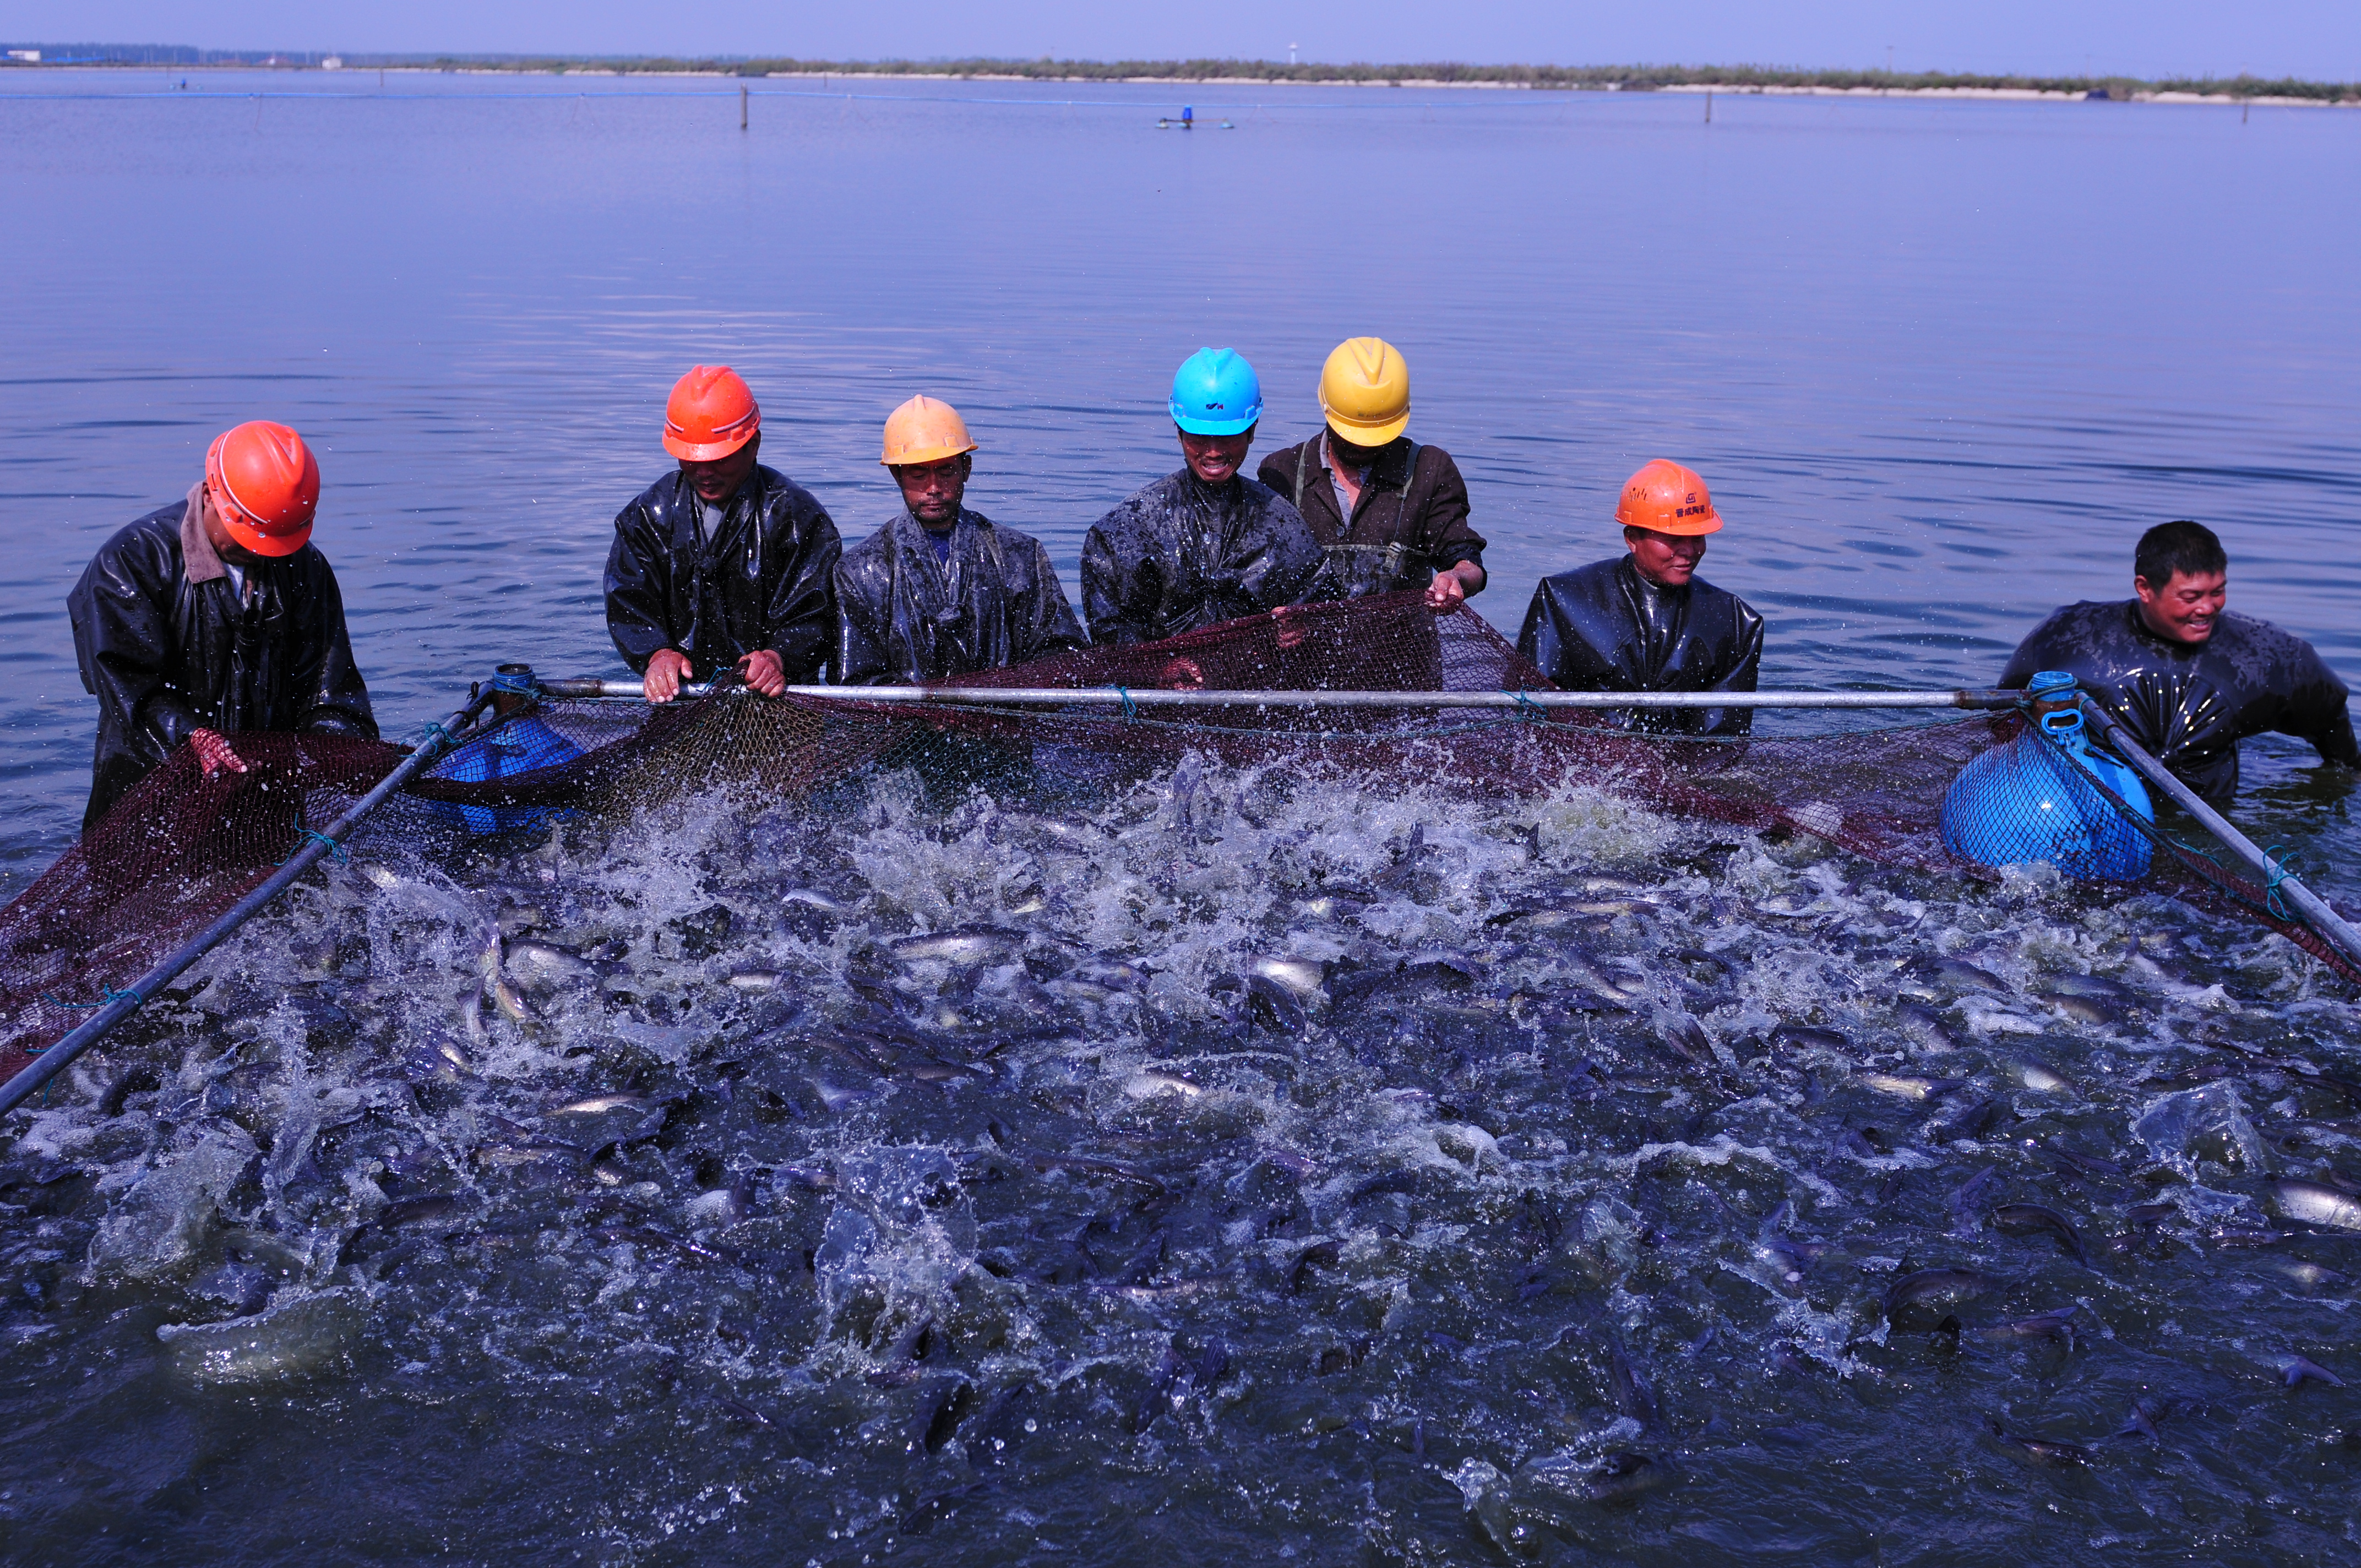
[[1205, 544]]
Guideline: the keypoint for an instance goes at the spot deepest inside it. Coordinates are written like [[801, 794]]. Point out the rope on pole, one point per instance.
[[121, 1004], [2278, 881]]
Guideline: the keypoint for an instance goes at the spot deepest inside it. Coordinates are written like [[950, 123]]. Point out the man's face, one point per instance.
[[1215, 458], [1356, 458], [716, 481], [1667, 558], [224, 546], [932, 490], [2185, 608]]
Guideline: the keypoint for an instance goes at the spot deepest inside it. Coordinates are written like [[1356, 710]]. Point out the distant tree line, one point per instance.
[[1591, 78]]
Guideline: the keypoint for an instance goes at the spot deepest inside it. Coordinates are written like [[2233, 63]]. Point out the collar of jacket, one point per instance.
[[745, 504], [200, 561], [1389, 470]]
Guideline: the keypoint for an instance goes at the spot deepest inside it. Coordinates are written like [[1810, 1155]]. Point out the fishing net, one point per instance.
[[181, 849]]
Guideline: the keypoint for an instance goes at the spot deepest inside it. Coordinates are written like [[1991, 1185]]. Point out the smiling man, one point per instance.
[[2186, 677], [1205, 544], [722, 562], [1644, 621]]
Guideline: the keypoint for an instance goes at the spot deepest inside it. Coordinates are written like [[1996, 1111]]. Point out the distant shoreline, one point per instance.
[[1733, 80]]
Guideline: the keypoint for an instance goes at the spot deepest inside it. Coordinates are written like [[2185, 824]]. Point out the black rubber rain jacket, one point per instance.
[[2189, 707], [1183, 553], [1410, 522], [906, 617], [165, 655], [762, 580], [1604, 628]]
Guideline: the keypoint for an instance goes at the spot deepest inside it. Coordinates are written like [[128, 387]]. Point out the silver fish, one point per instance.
[[964, 945], [2311, 1203], [1906, 1087], [2296, 1370], [538, 963], [1304, 978], [599, 1104], [757, 981]]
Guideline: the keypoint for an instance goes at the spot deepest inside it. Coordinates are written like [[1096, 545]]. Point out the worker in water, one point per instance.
[[1205, 544], [1389, 513], [215, 615], [1644, 621], [941, 590], [2188, 678], [721, 562]]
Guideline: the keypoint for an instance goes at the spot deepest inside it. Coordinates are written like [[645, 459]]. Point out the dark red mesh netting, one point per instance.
[[180, 849]]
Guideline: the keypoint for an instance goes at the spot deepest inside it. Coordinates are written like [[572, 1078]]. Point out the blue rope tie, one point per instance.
[[2279, 870], [109, 996], [1130, 710], [1527, 710], [337, 850], [433, 739]]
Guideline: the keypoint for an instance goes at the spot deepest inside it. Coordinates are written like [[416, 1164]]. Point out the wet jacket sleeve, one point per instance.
[[2316, 709], [1543, 642], [801, 615], [1451, 537], [862, 609], [639, 570], [123, 641], [334, 698], [2034, 654], [1740, 676], [1044, 623], [1120, 586], [1278, 559]]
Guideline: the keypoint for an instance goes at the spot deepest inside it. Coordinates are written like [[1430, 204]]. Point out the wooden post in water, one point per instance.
[[2246, 107], [1708, 106], [742, 105]]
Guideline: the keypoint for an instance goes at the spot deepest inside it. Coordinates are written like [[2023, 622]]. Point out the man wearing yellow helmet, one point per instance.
[[941, 590], [1389, 512]]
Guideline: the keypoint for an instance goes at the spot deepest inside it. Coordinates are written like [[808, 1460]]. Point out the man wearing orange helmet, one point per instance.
[[1389, 512], [722, 562], [1644, 621], [941, 590], [214, 615]]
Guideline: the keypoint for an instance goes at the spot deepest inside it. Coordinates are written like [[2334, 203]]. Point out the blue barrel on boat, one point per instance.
[[2036, 798]]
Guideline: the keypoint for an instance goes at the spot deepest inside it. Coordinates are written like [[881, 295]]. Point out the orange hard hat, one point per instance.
[[924, 431], [265, 484], [1665, 497], [710, 414]]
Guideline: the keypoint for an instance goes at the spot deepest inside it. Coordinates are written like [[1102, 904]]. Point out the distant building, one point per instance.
[[29, 56], [333, 62]]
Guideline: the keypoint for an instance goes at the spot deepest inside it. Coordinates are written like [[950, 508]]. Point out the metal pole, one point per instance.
[[2317, 913], [1156, 697], [55, 1060]]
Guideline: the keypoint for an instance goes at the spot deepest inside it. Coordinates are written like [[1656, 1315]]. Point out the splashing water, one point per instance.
[[1224, 1164]]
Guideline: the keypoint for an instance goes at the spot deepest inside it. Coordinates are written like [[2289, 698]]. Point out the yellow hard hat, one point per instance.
[[924, 431], [1365, 391]]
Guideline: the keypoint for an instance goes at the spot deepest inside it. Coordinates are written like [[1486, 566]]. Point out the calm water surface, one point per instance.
[[1941, 363]]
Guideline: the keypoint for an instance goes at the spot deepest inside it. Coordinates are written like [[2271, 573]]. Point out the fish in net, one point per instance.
[[181, 849]]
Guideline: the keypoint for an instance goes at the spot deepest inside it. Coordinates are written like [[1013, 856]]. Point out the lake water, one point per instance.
[[1940, 362]]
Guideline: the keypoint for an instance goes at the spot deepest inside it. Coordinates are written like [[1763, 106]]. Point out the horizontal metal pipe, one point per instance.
[[1157, 697], [2316, 912], [56, 1059]]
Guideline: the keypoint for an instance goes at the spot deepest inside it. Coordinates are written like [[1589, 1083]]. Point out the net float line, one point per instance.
[[1163, 697]]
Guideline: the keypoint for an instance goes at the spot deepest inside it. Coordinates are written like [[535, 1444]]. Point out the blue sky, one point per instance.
[[2317, 39]]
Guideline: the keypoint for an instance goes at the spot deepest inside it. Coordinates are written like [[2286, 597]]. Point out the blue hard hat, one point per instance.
[[1216, 392]]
